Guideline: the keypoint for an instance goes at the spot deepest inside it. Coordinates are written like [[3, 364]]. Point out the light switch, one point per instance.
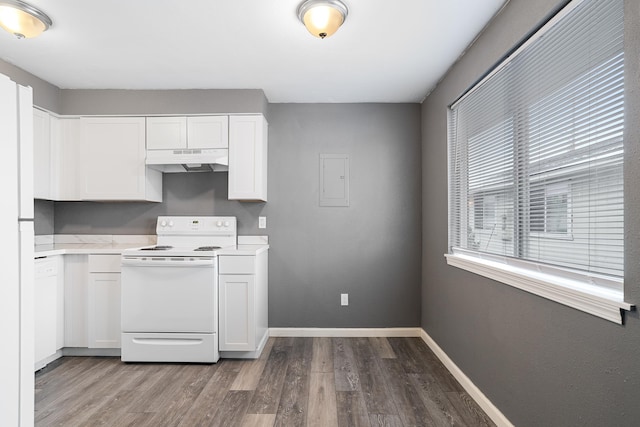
[[262, 222], [344, 299]]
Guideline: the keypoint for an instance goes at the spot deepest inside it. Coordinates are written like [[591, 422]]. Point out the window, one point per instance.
[[535, 163], [550, 210]]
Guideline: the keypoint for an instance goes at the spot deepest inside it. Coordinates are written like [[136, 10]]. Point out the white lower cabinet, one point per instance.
[[48, 279], [103, 297], [237, 301], [91, 302], [76, 277], [243, 291], [60, 304]]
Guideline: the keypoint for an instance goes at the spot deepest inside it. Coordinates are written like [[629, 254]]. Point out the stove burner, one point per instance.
[[157, 248], [207, 248]]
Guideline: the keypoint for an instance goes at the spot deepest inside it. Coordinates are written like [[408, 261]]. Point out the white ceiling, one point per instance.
[[386, 51]]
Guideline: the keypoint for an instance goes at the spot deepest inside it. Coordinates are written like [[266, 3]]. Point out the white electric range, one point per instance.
[[170, 291]]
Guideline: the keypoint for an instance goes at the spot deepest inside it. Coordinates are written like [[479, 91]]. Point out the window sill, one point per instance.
[[605, 303]]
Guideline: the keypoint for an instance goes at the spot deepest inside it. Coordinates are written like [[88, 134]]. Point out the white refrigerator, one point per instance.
[[16, 231]]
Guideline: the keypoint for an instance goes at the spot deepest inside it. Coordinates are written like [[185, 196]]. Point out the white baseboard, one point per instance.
[[345, 332], [491, 410], [84, 351]]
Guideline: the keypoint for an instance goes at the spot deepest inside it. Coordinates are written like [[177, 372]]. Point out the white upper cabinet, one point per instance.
[[112, 156], [65, 146], [248, 137], [43, 182], [56, 156], [194, 132], [164, 133], [103, 158], [208, 132]]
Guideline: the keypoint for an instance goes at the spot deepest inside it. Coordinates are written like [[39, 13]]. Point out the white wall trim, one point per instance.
[[491, 410], [345, 332]]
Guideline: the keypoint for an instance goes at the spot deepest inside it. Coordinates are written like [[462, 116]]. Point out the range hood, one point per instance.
[[189, 160]]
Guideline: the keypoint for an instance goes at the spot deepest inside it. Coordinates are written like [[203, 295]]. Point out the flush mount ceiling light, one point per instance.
[[22, 20], [322, 17]]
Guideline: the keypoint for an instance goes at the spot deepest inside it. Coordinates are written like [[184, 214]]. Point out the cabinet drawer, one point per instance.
[[237, 264], [104, 263]]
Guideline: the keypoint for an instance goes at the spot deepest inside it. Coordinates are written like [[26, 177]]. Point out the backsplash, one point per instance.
[[43, 217], [100, 239], [183, 194]]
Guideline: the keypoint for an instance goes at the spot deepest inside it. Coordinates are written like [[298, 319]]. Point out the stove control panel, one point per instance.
[[196, 225]]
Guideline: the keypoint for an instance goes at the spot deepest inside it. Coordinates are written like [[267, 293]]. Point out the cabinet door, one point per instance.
[[45, 309], [248, 158], [104, 310], [65, 146], [42, 182], [165, 133], [113, 158], [60, 304], [76, 277], [208, 132], [237, 314]]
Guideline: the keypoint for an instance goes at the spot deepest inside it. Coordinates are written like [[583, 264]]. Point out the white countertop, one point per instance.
[[244, 250], [83, 248], [117, 248]]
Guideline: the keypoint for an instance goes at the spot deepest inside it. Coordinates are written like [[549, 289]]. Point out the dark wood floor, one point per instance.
[[296, 382]]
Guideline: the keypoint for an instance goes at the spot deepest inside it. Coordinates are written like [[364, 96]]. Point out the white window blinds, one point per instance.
[[536, 149]]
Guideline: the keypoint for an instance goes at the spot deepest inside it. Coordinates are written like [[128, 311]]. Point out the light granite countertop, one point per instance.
[[105, 244]]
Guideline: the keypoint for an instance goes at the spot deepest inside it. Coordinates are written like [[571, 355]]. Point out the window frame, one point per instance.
[[600, 295]]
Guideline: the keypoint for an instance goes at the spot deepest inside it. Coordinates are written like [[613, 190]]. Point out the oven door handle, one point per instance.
[[170, 262]]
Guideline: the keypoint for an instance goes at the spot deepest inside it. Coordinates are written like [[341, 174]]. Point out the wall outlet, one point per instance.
[[344, 299], [262, 222]]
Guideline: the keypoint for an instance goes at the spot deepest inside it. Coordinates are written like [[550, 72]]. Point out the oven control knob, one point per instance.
[[226, 223], [163, 223], [219, 224], [170, 223]]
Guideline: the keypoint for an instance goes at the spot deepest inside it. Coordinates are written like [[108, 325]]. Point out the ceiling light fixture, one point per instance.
[[322, 17], [22, 20]]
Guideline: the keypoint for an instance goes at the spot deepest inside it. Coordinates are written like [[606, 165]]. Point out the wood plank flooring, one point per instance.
[[296, 382]]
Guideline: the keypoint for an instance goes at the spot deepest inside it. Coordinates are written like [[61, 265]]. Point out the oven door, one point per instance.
[[175, 295]]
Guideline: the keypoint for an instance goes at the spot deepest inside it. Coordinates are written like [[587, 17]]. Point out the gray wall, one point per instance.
[[370, 250], [193, 101], [539, 362], [45, 94], [43, 220]]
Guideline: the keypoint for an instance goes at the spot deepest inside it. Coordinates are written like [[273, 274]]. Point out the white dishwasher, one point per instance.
[[45, 309]]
